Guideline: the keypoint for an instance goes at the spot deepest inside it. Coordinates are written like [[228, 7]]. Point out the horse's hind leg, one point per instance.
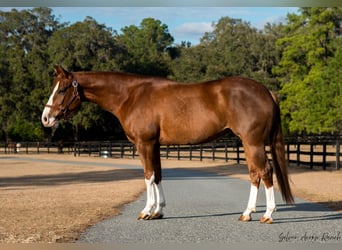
[[251, 206], [259, 168], [266, 176], [255, 182]]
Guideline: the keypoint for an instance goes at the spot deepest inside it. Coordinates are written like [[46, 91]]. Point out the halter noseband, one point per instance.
[[75, 95]]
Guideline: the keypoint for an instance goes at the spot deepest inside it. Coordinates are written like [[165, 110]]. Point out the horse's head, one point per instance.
[[64, 100]]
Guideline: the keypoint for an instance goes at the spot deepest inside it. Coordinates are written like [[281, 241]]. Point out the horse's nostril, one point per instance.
[[45, 119]]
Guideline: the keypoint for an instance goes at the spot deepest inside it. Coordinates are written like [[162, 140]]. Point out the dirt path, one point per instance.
[[54, 201], [52, 198]]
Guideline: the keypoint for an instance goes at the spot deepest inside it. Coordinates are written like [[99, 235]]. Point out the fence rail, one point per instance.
[[311, 151]]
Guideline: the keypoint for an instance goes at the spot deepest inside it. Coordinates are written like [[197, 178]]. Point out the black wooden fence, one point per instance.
[[311, 151]]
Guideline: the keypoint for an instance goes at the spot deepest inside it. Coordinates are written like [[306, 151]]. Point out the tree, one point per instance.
[[309, 52], [146, 47], [87, 46], [233, 48], [23, 42], [190, 65]]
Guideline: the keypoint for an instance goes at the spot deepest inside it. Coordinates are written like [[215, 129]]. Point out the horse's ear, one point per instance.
[[60, 71]]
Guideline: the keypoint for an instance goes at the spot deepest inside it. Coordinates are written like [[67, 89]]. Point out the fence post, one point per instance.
[[337, 154], [110, 149], [122, 151], [213, 147], [201, 152], [311, 154], [238, 152], [226, 150], [298, 154], [178, 152], [167, 151], [190, 153], [324, 155]]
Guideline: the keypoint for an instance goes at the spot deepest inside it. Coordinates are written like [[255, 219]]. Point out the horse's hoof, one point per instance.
[[156, 216], [266, 220], [143, 216], [245, 218]]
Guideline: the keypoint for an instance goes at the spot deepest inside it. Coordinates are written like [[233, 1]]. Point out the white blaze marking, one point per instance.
[[46, 119]]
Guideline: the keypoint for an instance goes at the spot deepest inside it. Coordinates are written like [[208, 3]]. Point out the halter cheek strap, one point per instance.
[[75, 95]]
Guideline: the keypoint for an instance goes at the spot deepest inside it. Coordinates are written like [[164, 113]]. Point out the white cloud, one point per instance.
[[271, 20], [194, 28], [191, 31]]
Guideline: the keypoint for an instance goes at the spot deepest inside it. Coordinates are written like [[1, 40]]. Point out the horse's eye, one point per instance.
[[61, 91]]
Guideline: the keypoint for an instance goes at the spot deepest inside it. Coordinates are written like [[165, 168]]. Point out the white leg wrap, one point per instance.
[[160, 201], [251, 206], [270, 202], [155, 198], [150, 196]]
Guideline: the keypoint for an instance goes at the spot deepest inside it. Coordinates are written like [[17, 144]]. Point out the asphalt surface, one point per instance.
[[203, 207]]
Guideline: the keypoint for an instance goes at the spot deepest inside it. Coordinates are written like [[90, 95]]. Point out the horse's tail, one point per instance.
[[278, 154]]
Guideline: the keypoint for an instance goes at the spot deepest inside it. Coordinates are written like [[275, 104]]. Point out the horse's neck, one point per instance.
[[102, 89]]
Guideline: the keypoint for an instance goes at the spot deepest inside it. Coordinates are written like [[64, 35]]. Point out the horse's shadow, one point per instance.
[[302, 207], [201, 216], [325, 213]]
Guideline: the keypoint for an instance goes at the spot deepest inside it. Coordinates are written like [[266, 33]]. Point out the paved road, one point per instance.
[[203, 207]]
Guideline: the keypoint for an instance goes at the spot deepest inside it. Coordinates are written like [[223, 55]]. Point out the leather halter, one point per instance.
[[75, 95]]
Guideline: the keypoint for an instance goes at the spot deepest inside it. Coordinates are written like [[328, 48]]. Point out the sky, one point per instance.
[[184, 23]]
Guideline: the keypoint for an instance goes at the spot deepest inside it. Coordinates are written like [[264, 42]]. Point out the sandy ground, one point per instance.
[[54, 202]]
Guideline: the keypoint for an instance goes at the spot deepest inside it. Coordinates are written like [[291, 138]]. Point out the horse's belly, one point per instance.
[[190, 132]]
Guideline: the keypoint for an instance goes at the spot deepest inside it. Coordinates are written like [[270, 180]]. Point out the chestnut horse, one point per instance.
[[155, 111]]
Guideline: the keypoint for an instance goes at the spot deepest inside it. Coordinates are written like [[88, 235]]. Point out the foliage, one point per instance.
[[232, 48], [146, 47], [85, 46], [301, 60], [23, 41], [309, 69]]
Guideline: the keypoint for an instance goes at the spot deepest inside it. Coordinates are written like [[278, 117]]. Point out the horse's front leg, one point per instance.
[[150, 157]]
